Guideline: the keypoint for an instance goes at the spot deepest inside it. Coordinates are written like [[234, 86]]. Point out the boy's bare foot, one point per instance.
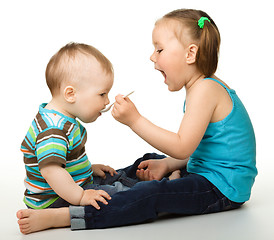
[[175, 175], [31, 220]]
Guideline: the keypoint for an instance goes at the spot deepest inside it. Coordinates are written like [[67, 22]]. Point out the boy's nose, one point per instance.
[[107, 101]]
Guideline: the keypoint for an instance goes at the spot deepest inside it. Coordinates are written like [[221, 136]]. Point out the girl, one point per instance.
[[212, 156]]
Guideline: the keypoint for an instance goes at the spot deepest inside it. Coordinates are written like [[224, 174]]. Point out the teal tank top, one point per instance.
[[226, 155]]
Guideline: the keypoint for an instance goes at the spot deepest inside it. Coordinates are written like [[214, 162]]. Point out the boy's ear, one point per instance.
[[191, 54], [70, 94]]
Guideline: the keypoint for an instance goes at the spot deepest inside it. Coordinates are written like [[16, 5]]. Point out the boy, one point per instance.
[[59, 173]]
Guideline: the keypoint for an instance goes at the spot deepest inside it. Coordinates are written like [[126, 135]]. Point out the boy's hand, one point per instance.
[[90, 197], [100, 169], [125, 111], [152, 170]]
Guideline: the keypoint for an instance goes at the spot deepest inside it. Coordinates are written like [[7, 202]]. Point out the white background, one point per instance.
[[32, 31]]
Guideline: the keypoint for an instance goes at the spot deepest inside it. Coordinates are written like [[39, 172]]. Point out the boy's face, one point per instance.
[[92, 91]]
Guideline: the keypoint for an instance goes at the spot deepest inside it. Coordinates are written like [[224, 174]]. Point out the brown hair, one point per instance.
[[208, 38], [61, 65]]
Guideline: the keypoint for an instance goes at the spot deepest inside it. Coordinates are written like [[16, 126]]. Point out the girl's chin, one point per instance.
[[172, 88]]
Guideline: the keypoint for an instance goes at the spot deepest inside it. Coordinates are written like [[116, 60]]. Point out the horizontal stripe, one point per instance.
[[79, 166], [42, 205], [52, 136], [51, 146]]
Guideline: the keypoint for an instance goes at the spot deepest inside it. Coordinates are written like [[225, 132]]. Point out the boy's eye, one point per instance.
[[159, 51], [102, 94]]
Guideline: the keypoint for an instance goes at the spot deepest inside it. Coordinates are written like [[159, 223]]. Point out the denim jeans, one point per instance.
[[189, 195], [111, 184]]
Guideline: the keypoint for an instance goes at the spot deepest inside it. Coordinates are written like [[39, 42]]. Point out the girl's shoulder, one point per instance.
[[212, 88], [211, 96], [215, 82]]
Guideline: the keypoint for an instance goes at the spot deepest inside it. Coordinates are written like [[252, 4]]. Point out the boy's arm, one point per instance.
[[62, 183], [65, 187]]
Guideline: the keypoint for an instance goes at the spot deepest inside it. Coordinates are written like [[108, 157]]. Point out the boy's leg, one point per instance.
[[120, 177]]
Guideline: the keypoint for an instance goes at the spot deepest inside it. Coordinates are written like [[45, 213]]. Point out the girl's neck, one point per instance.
[[193, 82]]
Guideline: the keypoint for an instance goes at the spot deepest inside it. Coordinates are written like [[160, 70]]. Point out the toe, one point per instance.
[[25, 230], [19, 214], [23, 213], [23, 221]]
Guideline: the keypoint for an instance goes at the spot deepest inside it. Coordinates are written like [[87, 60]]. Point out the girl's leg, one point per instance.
[[175, 175], [31, 220], [189, 195]]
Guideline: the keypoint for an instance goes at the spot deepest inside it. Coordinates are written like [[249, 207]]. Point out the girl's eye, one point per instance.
[[159, 51], [102, 94]]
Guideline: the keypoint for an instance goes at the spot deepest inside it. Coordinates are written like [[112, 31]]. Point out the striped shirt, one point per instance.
[[53, 138]]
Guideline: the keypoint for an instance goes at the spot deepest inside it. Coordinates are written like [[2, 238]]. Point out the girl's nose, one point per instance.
[[152, 57]]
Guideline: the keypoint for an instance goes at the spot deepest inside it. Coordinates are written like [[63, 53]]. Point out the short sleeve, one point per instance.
[[51, 147]]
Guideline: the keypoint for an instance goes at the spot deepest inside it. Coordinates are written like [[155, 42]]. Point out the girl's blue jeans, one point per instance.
[[189, 195]]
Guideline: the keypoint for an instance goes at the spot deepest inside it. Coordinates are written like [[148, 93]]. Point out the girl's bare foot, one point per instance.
[[31, 220], [175, 175]]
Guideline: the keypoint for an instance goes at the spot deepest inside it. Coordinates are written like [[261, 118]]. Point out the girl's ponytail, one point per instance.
[[208, 51]]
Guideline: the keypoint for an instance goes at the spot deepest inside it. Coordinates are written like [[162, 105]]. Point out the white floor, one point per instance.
[[253, 221]]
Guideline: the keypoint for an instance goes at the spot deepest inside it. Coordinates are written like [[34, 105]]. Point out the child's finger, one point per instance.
[[146, 174], [104, 194], [140, 174], [112, 172], [127, 99], [101, 174], [101, 199], [151, 176], [95, 204], [119, 99], [143, 165]]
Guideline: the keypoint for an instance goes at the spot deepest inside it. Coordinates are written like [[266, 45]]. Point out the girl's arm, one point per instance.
[[179, 145], [156, 169]]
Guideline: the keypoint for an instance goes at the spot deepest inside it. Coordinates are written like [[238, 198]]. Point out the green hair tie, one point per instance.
[[201, 22]]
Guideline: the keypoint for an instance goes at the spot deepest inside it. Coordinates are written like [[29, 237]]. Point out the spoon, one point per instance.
[[109, 107]]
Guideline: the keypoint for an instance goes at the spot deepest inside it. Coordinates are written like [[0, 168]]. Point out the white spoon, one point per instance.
[[109, 107]]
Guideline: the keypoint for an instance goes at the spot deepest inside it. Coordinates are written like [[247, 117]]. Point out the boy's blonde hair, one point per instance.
[[207, 38], [62, 65]]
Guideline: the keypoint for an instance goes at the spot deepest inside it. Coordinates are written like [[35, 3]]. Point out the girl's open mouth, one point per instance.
[[163, 73]]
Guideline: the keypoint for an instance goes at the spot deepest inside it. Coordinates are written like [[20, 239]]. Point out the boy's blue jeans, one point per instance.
[[189, 195]]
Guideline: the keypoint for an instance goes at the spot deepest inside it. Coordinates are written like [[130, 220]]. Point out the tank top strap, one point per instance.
[[184, 106], [217, 81]]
